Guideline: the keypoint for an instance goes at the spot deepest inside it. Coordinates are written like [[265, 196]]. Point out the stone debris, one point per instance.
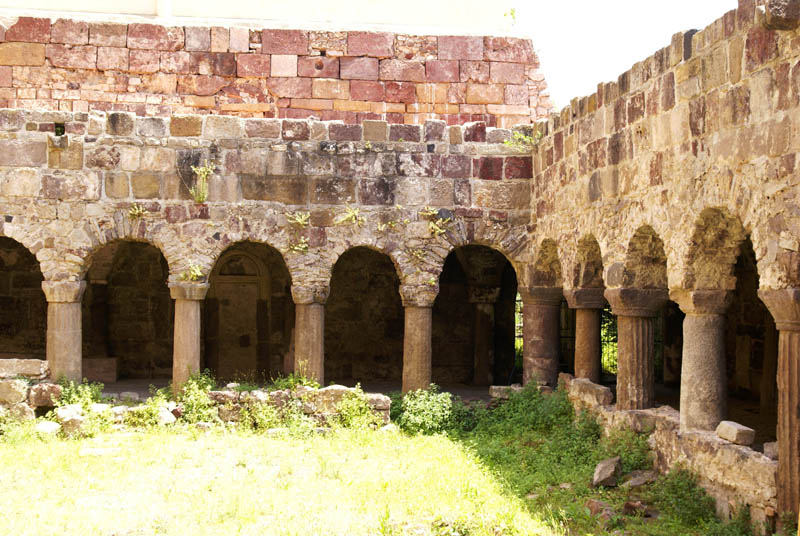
[[72, 425], [638, 478], [165, 417], [47, 427], [13, 391], [503, 392], [736, 433], [606, 472], [771, 450]]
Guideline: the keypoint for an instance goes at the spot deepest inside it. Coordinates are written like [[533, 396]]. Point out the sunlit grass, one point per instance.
[[225, 483]]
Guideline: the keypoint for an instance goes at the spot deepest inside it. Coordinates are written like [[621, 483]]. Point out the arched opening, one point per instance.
[[364, 321], [23, 307], [128, 316], [248, 315], [751, 353], [474, 322]]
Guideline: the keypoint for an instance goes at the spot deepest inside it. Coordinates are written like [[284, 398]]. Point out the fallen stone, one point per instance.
[[605, 474], [229, 413], [44, 395], [590, 394], [736, 433], [503, 392], [327, 399], [379, 402], [223, 397], [596, 506], [22, 412], [177, 411], [69, 411], [771, 450], [13, 391], [72, 425], [165, 417], [129, 395], [634, 508], [47, 427], [637, 479], [29, 368]]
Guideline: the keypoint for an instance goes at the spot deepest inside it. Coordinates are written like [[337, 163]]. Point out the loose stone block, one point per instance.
[[13, 392], [736, 433], [590, 394], [606, 472], [771, 450]]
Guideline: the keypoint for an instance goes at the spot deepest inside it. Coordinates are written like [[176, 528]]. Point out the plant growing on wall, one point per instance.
[[137, 211], [299, 244], [199, 191], [193, 273], [522, 141], [300, 219], [351, 216]]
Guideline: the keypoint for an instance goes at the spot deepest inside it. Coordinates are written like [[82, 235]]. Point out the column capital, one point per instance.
[[418, 295], [702, 301], [585, 298], [63, 291], [542, 295], [639, 302], [483, 294], [311, 293], [185, 290], [784, 306]]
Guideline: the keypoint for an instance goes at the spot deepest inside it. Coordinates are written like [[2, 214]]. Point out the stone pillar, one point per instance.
[[483, 300], [704, 394], [541, 310], [187, 329], [636, 310], [785, 308], [309, 330], [64, 340], [417, 332], [588, 303]]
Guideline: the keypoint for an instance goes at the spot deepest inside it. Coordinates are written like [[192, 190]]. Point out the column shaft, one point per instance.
[[63, 346], [704, 397], [309, 348], [788, 421], [417, 348], [541, 344], [635, 374], [186, 341], [587, 344]]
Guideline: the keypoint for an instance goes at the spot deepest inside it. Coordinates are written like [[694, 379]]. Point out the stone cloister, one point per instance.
[[392, 248]]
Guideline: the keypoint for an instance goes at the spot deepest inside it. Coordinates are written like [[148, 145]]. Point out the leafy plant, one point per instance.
[[439, 226], [631, 447], [137, 211], [523, 142], [355, 412], [292, 381], [84, 393], [426, 411], [193, 396], [300, 219], [199, 191], [428, 212], [146, 415], [299, 245], [351, 216], [194, 273], [679, 495], [259, 417]]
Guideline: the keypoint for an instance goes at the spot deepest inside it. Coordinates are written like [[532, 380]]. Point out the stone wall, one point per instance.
[[72, 65]]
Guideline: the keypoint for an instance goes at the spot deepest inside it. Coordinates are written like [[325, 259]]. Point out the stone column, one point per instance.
[[187, 329], [704, 393], [588, 304], [785, 308], [636, 310], [64, 340], [309, 330], [541, 310], [417, 332], [483, 300]]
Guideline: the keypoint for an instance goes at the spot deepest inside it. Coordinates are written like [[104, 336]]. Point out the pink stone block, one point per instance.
[[507, 73], [252, 65], [197, 39], [379, 45], [283, 65], [412, 71], [143, 61], [112, 59], [359, 68], [72, 57], [318, 67], [442, 70], [455, 47], [69, 32], [108, 34], [155, 37], [239, 40], [510, 49], [284, 42], [29, 29]]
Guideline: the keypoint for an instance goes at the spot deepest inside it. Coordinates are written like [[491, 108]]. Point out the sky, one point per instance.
[[583, 42]]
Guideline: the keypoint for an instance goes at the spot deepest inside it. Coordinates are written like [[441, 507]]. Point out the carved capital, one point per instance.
[[307, 294], [185, 290], [63, 291], [585, 298], [638, 302], [784, 305], [702, 302], [418, 295], [542, 295]]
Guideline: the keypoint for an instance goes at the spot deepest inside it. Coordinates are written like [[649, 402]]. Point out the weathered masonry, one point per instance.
[[365, 249]]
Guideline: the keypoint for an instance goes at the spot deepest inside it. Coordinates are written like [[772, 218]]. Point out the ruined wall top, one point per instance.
[[154, 70]]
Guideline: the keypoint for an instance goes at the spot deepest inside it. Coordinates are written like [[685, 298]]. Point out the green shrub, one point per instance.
[[85, 393], [259, 417], [292, 381], [146, 415], [529, 409], [631, 447], [193, 397], [739, 525], [678, 495], [355, 412], [426, 411]]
